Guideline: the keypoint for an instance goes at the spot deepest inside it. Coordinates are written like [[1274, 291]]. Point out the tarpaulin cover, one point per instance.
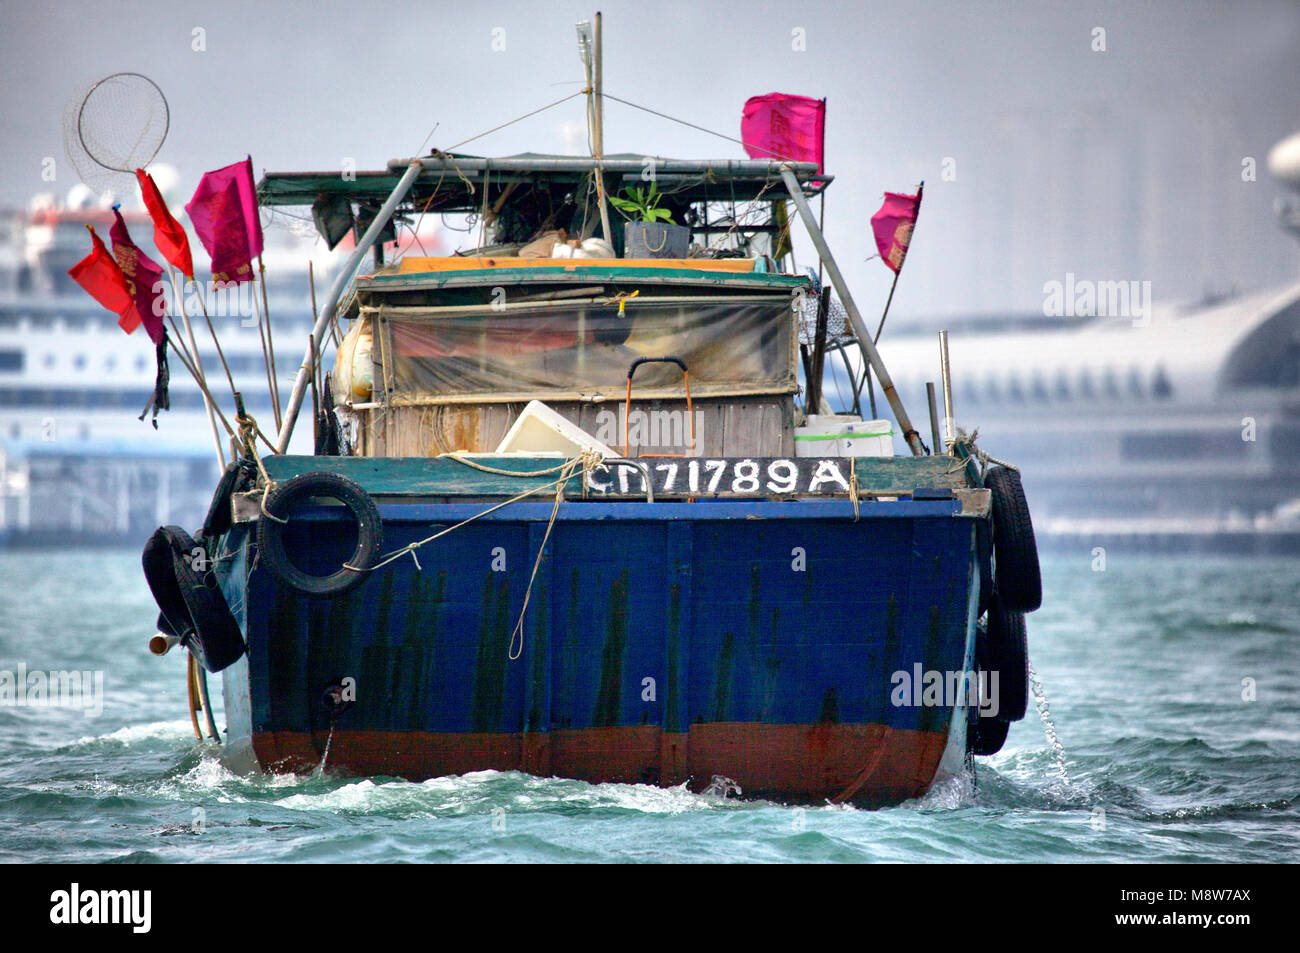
[[730, 346]]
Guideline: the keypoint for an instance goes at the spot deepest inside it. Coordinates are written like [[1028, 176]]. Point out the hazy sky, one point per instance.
[[1117, 164]]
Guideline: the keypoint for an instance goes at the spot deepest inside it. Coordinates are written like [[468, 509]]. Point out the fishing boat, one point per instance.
[[578, 509]]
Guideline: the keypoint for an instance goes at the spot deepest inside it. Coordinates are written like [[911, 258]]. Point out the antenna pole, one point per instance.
[[598, 130]]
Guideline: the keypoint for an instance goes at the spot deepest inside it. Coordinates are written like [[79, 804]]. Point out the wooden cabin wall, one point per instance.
[[752, 426]]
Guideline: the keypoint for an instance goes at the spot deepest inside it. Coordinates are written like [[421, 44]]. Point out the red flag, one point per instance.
[[143, 278], [893, 226], [168, 234], [103, 280], [781, 126], [224, 213]]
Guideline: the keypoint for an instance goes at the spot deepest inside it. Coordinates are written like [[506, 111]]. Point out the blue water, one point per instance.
[[1142, 664]]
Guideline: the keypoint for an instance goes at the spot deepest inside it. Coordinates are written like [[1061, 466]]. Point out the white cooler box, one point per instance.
[[844, 435]]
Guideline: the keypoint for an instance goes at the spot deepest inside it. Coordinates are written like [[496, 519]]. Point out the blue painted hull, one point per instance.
[[756, 640]]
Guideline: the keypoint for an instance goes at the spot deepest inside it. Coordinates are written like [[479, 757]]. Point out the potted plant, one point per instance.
[[651, 232]]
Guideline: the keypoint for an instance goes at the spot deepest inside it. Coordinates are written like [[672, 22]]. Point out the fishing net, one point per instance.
[[838, 330], [114, 126]]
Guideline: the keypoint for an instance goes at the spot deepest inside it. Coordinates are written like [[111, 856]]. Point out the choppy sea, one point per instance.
[[1171, 685]]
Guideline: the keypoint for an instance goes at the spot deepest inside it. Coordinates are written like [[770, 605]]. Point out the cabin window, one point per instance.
[[11, 360], [731, 346], [1181, 445], [1135, 388], [1160, 386]]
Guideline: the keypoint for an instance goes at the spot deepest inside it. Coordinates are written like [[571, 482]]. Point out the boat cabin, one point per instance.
[[441, 354]]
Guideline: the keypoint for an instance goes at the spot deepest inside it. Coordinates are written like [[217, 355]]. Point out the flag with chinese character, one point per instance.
[[893, 226], [224, 213], [168, 234], [101, 276], [143, 278], [781, 126]]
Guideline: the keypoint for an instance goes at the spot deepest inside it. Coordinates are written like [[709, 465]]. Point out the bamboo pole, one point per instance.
[[270, 342], [200, 378], [598, 133]]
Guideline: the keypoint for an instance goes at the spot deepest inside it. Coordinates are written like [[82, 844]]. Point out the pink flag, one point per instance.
[[224, 213], [893, 226], [780, 126], [143, 279]]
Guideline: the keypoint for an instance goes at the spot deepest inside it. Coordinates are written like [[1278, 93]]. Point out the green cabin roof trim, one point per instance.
[[446, 189]]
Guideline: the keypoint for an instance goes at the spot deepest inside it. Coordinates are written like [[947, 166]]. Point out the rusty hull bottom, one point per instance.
[[868, 765]]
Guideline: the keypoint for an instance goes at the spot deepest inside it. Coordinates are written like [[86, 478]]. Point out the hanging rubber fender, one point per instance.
[[191, 606], [1017, 576], [270, 533], [1007, 653], [984, 553], [985, 736], [237, 476]]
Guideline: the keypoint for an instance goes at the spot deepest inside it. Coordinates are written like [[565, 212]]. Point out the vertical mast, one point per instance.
[[598, 131]]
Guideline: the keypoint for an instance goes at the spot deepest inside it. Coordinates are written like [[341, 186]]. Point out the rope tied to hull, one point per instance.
[[977, 454], [474, 464], [248, 430], [588, 460], [853, 486]]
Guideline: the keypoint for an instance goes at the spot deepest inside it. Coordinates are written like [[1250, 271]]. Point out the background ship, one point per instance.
[[1165, 429]]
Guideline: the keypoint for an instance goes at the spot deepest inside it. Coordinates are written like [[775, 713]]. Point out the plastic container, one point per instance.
[[655, 240], [541, 430], [844, 435]]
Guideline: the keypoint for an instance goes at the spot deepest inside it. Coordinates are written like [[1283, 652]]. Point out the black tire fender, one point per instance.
[[270, 533], [1008, 655], [985, 736], [1017, 575], [190, 603]]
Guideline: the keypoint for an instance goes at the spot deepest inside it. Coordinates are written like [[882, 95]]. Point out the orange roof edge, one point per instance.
[[411, 265]]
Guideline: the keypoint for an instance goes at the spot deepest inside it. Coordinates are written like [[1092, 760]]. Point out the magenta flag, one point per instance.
[[224, 213], [143, 279], [781, 126], [893, 226]]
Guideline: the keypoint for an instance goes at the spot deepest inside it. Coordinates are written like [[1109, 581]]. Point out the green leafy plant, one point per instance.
[[642, 204]]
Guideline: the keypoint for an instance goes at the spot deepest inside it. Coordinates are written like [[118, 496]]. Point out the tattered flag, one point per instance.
[[893, 226], [143, 278]]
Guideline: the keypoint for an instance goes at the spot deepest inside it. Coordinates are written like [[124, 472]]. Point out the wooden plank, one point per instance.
[[673, 478], [727, 426]]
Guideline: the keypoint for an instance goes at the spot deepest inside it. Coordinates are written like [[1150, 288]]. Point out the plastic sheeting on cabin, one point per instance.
[[731, 346]]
